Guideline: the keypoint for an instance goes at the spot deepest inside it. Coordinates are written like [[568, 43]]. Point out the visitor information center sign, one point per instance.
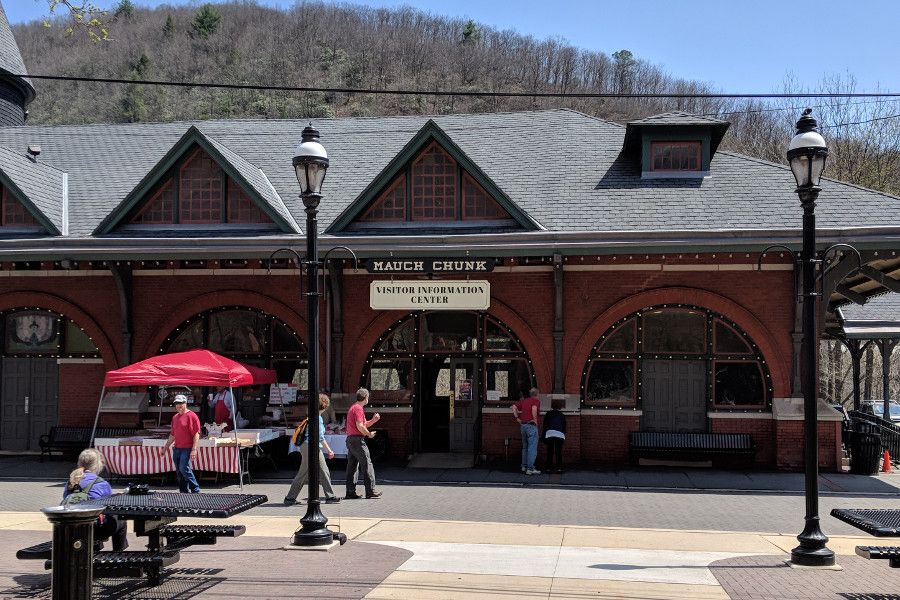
[[430, 295]]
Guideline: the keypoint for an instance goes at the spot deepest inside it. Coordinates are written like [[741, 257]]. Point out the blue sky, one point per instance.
[[735, 46]]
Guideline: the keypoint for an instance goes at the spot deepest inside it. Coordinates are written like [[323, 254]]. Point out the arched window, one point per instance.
[[43, 333], [737, 375], [391, 374], [247, 335]]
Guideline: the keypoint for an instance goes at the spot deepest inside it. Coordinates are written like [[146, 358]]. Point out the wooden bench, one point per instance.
[[684, 445], [891, 553], [71, 438]]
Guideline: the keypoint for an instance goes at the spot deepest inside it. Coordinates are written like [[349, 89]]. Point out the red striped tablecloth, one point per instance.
[[147, 460]]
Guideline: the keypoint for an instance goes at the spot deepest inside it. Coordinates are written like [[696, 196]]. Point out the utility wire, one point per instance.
[[479, 94]]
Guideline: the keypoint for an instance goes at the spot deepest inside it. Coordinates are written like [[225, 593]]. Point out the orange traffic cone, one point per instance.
[[886, 467]]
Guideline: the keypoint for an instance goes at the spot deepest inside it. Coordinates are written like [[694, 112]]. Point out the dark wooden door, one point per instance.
[[463, 404], [673, 395], [29, 405], [434, 405]]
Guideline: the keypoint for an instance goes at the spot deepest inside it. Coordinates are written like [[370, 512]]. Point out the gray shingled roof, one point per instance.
[[593, 188], [11, 59], [885, 307], [40, 184], [677, 118]]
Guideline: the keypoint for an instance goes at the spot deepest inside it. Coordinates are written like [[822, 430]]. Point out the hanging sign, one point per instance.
[[430, 265], [430, 295]]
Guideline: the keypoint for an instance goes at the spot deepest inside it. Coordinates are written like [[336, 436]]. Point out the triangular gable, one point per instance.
[[251, 179], [428, 134], [39, 188]]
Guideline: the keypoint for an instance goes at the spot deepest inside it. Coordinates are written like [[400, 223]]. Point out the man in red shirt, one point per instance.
[[357, 451], [526, 412], [186, 437]]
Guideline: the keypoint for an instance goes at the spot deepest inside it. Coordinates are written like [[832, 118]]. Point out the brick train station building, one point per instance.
[[613, 267]]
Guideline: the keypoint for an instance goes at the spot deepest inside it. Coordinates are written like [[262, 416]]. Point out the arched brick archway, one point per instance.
[[34, 299], [220, 299], [530, 342], [746, 320]]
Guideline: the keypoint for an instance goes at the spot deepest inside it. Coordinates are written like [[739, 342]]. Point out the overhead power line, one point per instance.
[[482, 94]]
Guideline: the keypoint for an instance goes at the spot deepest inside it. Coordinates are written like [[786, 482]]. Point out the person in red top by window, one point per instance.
[[526, 412], [223, 413], [357, 451]]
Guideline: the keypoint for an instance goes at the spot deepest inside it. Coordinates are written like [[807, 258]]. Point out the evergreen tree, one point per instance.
[[206, 21], [169, 27], [471, 33], [125, 8]]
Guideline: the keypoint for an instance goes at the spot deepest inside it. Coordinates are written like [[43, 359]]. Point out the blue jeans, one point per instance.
[[186, 480], [529, 444]]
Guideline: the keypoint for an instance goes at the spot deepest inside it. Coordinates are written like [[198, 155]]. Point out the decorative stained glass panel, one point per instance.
[[14, 212], [160, 209], [434, 186], [477, 204], [241, 209], [201, 190], [391, 205]]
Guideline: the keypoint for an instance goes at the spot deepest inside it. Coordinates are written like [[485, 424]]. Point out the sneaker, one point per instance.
[[373, 494], [532, 472], [353, 496], [332, 500], [290, 501], [524, 470]]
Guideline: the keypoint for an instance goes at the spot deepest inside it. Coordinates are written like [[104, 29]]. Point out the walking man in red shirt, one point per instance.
[[526, 412], [357, 451], [186, 437]]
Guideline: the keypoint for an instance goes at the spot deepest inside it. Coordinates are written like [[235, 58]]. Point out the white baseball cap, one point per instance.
[[179, 399]]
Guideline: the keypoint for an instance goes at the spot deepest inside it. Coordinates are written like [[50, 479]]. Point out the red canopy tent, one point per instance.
[[191, 368], [194, 367]]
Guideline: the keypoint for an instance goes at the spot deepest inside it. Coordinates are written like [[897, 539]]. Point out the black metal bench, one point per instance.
[[684, 445], [891, 553], [44, 550], [182, 536], [112, 564], [73, 438]]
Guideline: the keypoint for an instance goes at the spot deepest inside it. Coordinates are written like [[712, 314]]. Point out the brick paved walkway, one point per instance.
[[245, 567], [768, 578]]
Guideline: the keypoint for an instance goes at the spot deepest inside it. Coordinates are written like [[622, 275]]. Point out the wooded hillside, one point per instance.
[[347, 46]]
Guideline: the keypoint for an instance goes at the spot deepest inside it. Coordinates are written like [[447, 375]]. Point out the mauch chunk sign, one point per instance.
[[430, 295], [430, 265]]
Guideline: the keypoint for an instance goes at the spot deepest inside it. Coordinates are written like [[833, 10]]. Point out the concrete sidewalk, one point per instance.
[[427, 560]]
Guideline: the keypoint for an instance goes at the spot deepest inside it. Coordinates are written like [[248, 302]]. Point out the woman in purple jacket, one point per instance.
[[85, 478]]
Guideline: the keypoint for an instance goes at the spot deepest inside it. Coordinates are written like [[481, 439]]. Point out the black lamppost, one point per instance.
[[310, 163], [806, 154]]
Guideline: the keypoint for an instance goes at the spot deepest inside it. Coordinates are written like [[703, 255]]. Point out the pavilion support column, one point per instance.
[[559, 331], [886, 346], [335, 362], [124, 278], [856, 348]]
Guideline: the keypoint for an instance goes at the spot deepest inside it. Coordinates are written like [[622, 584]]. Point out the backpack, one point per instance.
[[297, 438], [79, 495]]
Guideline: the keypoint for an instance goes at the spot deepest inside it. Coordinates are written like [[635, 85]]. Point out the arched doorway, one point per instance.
[[34, 341], [676, 364], [250, 336], [446, 366]]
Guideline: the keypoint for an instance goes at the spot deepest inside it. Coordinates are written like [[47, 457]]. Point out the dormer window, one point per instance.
[[434, 187], [13, 214], [676, 156], [199, 192]]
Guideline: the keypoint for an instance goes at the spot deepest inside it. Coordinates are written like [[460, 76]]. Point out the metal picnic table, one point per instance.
[[880, 522]]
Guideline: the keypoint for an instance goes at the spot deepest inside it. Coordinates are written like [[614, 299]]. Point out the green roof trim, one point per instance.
[[430, 132], [19, 195], [193, 136]]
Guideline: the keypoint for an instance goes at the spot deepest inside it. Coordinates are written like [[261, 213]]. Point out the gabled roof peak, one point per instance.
[[678, 118]]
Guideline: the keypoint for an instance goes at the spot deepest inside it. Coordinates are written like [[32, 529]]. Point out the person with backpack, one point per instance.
[[85, 484], [554, 435], [302, 477]]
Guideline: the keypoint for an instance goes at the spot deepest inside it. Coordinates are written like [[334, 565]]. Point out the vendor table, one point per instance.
[[336, 441], [147, 460]]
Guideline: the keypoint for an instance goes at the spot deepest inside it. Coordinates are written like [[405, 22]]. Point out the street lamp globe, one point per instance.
[[310, 164], [807, 153]]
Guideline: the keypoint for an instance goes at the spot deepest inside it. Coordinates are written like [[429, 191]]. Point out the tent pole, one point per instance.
[[237, 445], [97, 417]]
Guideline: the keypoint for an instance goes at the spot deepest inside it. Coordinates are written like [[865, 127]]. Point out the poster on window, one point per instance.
[[282, 393], [463, 390]]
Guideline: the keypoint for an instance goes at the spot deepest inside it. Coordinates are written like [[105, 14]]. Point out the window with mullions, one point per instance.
[[13, 213], [199, 192], [246, 335], [434, 187], [675, 156], [43, 333], [737, 372], [390, 371]]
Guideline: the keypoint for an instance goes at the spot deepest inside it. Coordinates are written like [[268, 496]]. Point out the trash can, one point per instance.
[[865, 453]]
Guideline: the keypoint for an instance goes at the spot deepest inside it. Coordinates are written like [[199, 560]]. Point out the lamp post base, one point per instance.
[[812, 551], [313, 531]]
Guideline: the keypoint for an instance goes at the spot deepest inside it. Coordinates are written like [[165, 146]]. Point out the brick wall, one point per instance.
[[762, 430], [604, 438], [790, 444]]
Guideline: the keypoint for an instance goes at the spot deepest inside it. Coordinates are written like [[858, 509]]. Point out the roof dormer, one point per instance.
[[674, 145]]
